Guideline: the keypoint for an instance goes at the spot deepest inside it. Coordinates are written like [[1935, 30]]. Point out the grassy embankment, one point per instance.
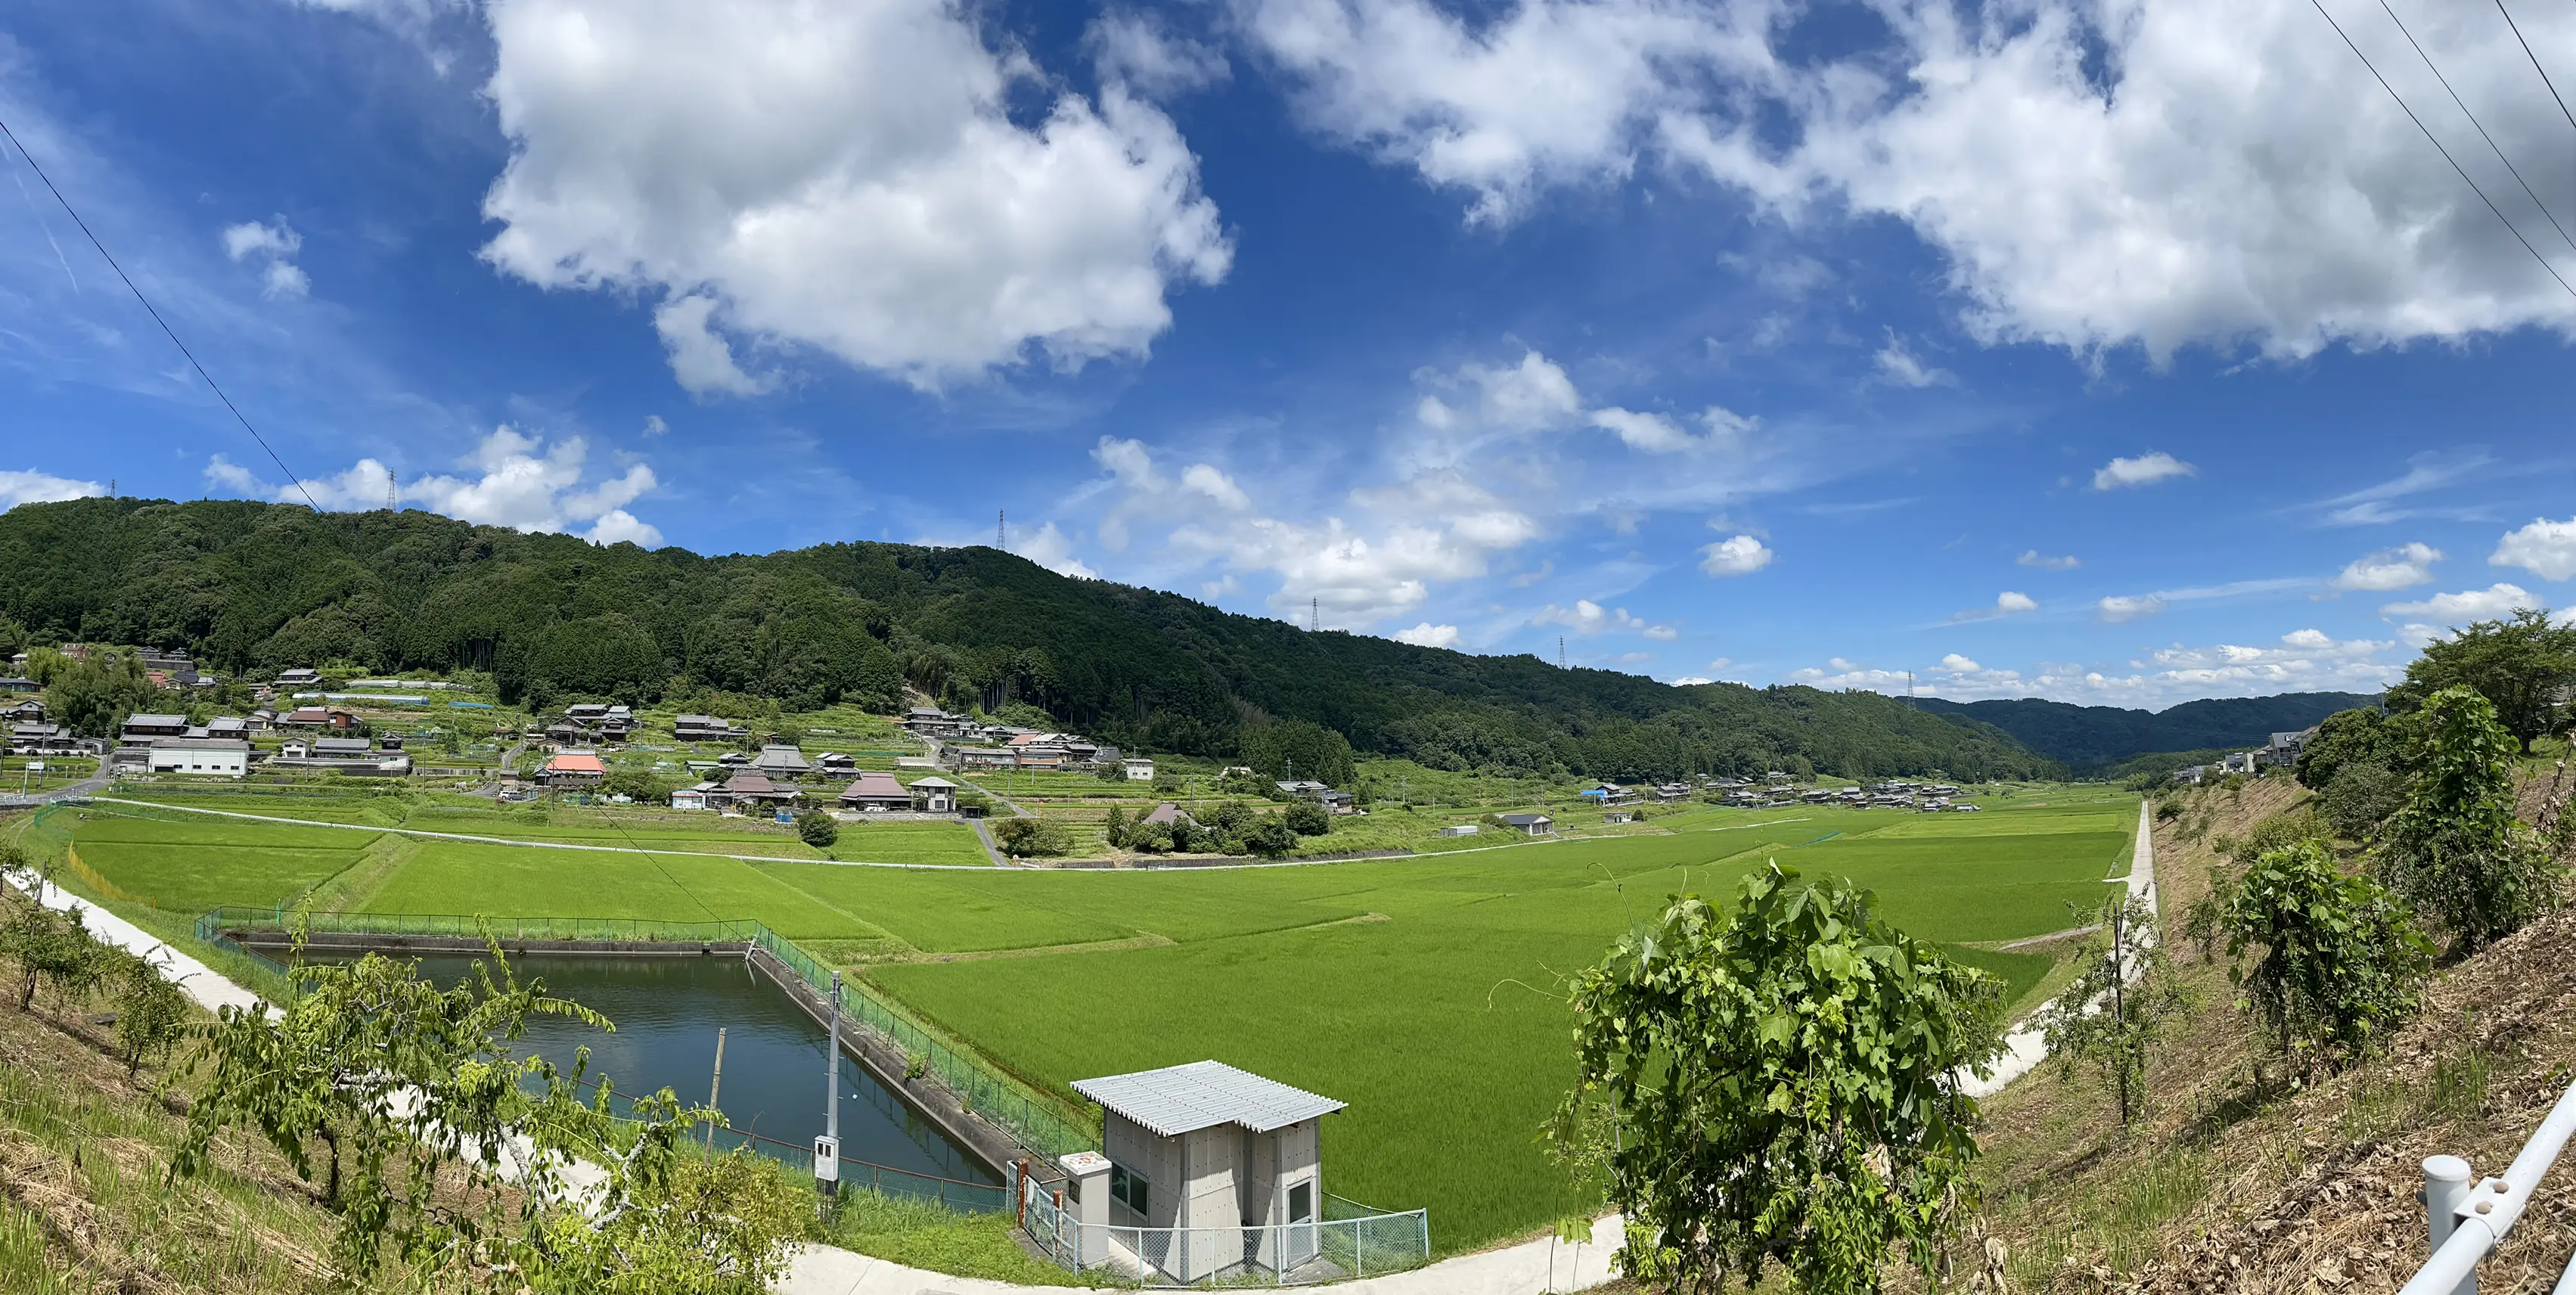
[[2243, 1177]]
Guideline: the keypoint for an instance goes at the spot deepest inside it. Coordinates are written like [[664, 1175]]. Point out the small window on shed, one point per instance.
[[1301, 1203], [1127, 1188]]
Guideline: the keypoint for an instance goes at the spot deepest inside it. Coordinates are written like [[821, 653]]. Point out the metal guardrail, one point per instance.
[[2467, 1221], [1351, 1241], [989, 1095]]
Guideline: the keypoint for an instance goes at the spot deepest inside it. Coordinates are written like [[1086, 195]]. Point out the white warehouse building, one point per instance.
[[220, 757]]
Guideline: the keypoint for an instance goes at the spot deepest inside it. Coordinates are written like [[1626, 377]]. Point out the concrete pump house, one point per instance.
[[1207, 1146]]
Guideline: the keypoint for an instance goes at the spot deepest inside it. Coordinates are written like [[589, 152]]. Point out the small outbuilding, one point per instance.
[[1530, 824], [1233, 1158], [1138, 769], [215, 757]]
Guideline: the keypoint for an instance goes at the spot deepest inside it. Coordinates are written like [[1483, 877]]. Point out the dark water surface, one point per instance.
[[667, 1010]]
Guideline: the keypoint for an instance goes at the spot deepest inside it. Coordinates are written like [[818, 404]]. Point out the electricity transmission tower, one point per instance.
[[1002, 529]]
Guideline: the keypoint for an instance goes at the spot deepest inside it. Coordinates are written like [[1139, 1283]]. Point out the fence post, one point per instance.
[[2446, 1188]]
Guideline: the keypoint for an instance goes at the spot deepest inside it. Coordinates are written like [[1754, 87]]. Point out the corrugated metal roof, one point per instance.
[[1203, 1094]]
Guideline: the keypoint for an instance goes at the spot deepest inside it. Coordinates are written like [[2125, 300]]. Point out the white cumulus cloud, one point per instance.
[[1051, 548], [1427, 634], [2128, 607], [2545, 548], [846, 177], [32, 487], [1739, 555], [1589, 617], [1140, 51], [2008, 603], [2144, 470], [275, 247], [2035, 558], [2495, 601], [518, 481], [2403, 567], [2097, 173]]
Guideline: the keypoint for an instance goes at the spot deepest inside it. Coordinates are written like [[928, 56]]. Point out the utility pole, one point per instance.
[[715, 1091], [827, 1148]]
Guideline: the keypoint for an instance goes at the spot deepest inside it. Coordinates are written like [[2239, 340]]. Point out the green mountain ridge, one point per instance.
[[248, 585], [2083, 737]]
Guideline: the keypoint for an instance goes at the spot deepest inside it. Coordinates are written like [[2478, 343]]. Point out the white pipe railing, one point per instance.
[[2466, 1222]]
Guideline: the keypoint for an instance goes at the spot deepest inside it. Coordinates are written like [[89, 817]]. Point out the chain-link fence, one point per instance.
[[1031, 1123], [1351, 1240]]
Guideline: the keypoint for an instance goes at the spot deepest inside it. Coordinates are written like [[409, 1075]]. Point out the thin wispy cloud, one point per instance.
[[2425, 472]]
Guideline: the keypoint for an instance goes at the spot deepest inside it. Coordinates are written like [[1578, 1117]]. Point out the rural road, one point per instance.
[[2025, 1048]]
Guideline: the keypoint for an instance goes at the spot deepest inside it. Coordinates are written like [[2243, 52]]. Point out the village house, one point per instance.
[[299, 677], [876, 793], [836, 764], [573, 770], [779, 760], [1530, 824], [139, 730], [706, 728], [935, 796], [1138, 769], [752, 793]]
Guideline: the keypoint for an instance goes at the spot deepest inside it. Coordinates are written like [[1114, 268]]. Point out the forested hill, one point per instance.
[[2081, 736], [249, 585]]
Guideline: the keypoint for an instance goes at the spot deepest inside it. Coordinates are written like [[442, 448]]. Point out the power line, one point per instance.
[[2535, 62], [156, 318], [2473, 121], [2436, 142]]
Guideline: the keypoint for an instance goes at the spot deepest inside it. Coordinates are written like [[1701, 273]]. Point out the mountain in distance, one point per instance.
[[2083, 737], [249, 586]]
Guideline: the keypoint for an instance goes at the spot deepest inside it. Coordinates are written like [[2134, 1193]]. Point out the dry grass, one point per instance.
[[2240, 1180]]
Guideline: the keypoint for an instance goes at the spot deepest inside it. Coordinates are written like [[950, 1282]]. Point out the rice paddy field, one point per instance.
[[1422, 991]]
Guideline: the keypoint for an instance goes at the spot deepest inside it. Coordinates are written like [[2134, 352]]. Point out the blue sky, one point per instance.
[[2113, 352]]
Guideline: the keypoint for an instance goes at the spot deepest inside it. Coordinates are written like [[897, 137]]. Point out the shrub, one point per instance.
[[1306, 818], [1026, 838], [817, 829], [1777, 1081], [2340, 957], [1228, 818], [1270, 836], [2454, 848], [1114, 829], [2360, 798]]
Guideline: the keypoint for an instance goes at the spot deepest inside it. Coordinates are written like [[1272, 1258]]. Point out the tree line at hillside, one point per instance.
[[251, 586], [2089, 738]]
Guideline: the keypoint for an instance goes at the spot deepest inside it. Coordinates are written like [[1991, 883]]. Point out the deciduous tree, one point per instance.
[[2521, 664], [2454, 848], [1780, 1082], [2336, 959], [2110, 1016]]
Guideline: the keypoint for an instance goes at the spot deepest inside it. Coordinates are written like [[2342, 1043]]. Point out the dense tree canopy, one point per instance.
[[263, 586], [2522, 665]]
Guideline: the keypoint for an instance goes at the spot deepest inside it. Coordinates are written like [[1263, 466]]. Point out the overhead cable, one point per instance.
[[156, 318], [2437, 147], [2481, 128], [2535, 62]]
